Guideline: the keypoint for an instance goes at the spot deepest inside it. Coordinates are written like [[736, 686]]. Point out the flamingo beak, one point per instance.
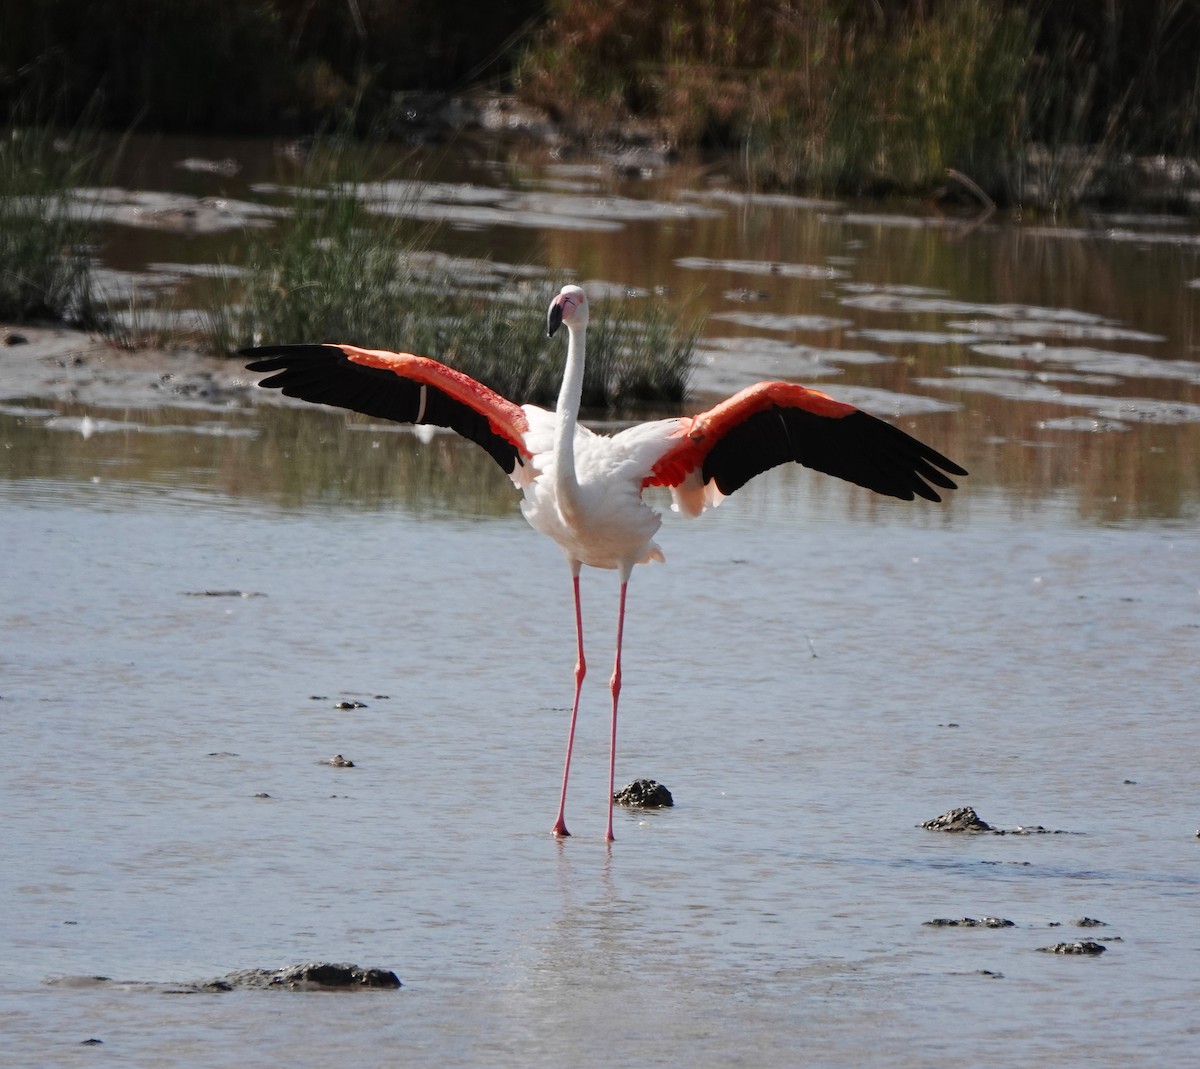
[[554, 317]]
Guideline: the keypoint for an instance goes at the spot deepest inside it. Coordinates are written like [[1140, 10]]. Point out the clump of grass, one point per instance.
[[900, 110], [45, 270], [638, 354], [340, 272]]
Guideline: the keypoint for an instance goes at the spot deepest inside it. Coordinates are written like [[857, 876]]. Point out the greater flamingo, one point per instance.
[[584, 490]]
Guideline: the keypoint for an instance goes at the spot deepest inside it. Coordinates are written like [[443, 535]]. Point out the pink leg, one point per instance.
[[615, 686], [560, 825]]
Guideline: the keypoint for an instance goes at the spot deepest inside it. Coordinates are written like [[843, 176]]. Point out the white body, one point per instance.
[[609, 525], [584, 490]]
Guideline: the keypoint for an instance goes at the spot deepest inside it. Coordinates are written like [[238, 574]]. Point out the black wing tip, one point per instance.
[[936, 470], [278, 357], [923, 465], [859, 448]]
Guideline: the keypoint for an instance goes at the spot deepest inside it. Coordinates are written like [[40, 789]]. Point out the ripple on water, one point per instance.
[[764, 200], [466, 204], [1040, 328], [760, 267], [777, 321], [1099, 361], [730, 364], [1083, 423], [1133, 409], [174, 212], [919, 337], [1035, 376], [902, 302]]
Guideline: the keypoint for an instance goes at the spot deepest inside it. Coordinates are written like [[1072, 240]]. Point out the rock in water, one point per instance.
[[325, 974], [1084, 947], [311, 974], [962, 819], [644, 794]]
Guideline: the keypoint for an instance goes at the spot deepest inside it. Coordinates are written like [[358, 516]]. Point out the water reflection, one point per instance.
[[292, 458], [287, 458]]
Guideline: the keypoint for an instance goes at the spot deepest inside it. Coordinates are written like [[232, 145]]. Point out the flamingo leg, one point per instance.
[[560, 825], [615, 687]]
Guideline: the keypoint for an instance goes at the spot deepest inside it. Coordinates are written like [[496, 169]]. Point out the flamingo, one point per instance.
[[584, 490]]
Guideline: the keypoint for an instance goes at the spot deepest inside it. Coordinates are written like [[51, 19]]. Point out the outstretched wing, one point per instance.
[[771, 423], [400, 387]]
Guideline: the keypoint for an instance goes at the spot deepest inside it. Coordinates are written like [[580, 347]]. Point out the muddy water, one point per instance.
[[188, 593]]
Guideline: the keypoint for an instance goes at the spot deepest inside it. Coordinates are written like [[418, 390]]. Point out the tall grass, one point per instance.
[[45, 270], [1033, 100], [820, 95], [900, 110]]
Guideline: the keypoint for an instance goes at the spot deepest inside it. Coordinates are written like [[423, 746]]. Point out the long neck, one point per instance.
[[569, 396]]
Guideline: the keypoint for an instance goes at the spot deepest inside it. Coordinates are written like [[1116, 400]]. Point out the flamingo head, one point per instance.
[[570, 307]]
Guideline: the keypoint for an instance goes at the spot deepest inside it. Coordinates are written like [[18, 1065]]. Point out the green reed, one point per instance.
[[45, 269]]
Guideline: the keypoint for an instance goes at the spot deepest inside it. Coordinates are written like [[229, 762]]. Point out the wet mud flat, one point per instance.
[[65, 365]]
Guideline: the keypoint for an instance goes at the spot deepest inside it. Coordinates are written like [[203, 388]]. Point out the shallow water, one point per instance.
[[812, 674], [188, 592]]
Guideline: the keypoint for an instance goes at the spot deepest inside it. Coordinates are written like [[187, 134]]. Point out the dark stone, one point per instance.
[[312, 974], [966, 819], [338, 761], [970, 922], [16, 339], [1089, 922], [350, 705], [1084, 947], [325, 974], [962, 819], [644, 794]]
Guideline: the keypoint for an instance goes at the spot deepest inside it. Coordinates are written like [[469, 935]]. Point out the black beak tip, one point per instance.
[[553, 320]]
